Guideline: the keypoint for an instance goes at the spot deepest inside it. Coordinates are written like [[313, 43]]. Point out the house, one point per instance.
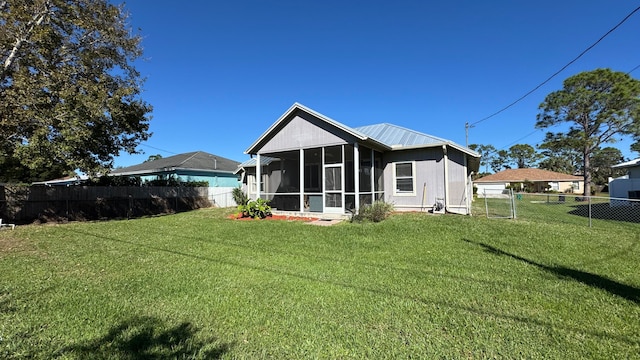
[[538, 180], [628, 186], [193, 166], [64, 181], [308, 162]]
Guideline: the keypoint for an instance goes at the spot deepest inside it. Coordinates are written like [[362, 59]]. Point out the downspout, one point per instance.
[[445, 159]]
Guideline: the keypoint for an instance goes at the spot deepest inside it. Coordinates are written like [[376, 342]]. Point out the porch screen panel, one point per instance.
[[312, 170], [333, 186], [333, 155], [378, 172], [332, 181], [365, 169], [349, 175]]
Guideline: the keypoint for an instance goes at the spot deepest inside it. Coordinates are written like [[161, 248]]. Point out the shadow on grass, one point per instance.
[[604, 211], [613, 287], [147, 338], [372, 290]]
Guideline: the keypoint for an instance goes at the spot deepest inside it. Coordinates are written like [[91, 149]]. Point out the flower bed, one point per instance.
[[275, 217]]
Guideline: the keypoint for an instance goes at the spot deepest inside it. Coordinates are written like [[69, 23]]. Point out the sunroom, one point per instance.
[[308, 162]]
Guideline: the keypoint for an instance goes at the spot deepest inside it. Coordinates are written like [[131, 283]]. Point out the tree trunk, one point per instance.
[[37, 19], [587, 171]]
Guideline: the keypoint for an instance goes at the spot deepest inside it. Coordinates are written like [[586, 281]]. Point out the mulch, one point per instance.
[[275, 217]]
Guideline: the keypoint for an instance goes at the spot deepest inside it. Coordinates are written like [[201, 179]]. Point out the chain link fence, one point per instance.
[[565, 208]]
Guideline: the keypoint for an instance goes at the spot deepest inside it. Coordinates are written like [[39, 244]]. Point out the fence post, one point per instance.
[[589, 197], [513, 205], [486, 206]]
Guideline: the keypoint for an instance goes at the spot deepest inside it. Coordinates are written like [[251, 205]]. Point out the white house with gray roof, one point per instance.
[[310, 163], [627, 186]]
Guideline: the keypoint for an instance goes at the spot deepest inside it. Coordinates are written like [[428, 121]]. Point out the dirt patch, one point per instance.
[[275, 217], [10, 243]]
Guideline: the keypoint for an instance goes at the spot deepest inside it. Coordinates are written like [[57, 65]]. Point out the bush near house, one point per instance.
[[257, 209], [239, 196], [375, 212]]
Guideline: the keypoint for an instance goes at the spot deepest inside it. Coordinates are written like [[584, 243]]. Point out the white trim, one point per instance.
[[301, 192], [413, 179], [356, 175], [258, 176]]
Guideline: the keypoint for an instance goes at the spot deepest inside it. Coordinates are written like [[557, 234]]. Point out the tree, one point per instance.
[[487, 154], [559, 154], [598, 106], [153, 157], [69, 94], [601, 162], [523, 155], [500, 161]]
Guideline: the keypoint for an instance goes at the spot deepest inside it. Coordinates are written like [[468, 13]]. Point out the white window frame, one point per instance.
[[413, 179], [251, 181]]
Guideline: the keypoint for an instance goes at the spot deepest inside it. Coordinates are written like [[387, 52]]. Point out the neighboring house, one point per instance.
[[192, 166], [217, 171], [537, 179], [65, 181], [628, 186], [312, 163]]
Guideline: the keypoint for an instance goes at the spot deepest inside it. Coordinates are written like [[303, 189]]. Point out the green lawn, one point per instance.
[[198, 285]]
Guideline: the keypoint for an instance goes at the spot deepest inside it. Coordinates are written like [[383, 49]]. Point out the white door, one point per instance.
[[333, 186]]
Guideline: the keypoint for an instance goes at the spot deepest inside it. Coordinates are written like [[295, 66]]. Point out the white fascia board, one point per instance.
[[437, 145]]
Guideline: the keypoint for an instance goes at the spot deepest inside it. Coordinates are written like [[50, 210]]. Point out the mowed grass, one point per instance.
[[199, 285]]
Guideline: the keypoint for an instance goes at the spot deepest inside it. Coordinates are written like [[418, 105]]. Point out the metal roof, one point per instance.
[[627, 164], [264, 160], [395, 136]]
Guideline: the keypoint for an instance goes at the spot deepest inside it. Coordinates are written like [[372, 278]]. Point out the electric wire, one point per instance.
[[153, 147], [559, 71]]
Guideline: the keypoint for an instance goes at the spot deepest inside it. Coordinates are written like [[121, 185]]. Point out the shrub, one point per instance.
[[376, 212], [239, 196], [257, 209]]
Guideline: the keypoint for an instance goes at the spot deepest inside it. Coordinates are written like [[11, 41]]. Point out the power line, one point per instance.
[[516, 141], [153, 147], [557, 72], [634, 69]]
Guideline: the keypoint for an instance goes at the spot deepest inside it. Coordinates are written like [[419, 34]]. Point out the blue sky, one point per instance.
[[219, 73]]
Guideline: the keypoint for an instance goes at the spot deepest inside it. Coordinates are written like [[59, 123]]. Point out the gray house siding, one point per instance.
[[429, 178], [304, 131], [458, 181]]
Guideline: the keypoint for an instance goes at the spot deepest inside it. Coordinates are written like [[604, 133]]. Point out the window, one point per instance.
[[555, 185], [404, 178], [253, 185]]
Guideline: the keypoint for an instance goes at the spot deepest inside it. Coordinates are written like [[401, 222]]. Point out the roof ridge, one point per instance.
[[189, 158]]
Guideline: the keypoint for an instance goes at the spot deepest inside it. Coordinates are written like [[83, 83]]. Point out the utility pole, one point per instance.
[[466, 133]]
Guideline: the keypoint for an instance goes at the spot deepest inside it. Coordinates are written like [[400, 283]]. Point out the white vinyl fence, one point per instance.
[[221, 196]]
